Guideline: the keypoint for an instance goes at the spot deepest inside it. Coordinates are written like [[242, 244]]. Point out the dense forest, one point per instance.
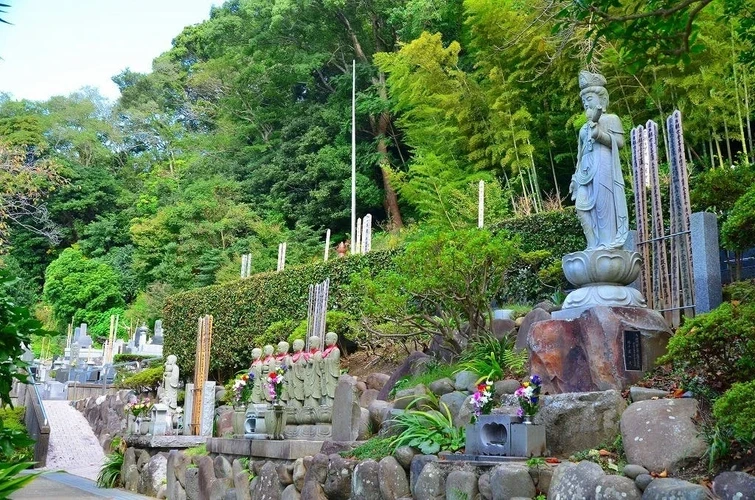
[[240, 137]]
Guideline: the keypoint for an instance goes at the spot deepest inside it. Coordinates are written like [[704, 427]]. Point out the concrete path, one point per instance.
[[73, 445], [62, 486]]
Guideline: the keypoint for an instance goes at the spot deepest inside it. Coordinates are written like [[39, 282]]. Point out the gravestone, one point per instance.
[[158, 338], [140, 336], [161, 421], [207, 408], [346, 410]]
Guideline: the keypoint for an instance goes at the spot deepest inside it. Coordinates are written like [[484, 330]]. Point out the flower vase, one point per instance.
[[144, 426], [239, 417], [137, 426], [527, 419], [275, 421]]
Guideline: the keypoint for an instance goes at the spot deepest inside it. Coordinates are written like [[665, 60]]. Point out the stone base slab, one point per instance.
[[168, 442], [257, 448]]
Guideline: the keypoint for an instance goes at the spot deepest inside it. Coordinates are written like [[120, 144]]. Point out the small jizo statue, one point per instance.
[[258, 394], [313, 382], [297, 374], [331, 368]]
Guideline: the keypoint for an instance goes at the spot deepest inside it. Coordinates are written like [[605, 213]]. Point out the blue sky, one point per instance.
[[55, 47]]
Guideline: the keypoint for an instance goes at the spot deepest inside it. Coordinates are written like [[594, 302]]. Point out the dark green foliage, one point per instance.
[[125, 358], [244, 309], [743, 291], [738, 232], [145, 380], [735, 410], [718, 347], [545, 238], [15, 443]]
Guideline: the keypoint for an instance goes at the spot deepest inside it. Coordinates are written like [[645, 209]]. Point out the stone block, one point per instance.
[[365, 482], [731, 485], [490, 435], [587, 353], [511, 480], [662, 434], [706, 266], [393, 481], [530, 319], [666, 488], [346, 410], [338, 481], [527, 440], [461, 485]]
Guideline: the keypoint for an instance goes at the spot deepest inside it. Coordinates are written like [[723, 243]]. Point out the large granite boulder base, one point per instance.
[[661, 434], [587, 353]]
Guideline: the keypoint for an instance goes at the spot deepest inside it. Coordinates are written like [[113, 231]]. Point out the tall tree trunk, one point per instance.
[[728, 141], [747, 109], [380, 126]]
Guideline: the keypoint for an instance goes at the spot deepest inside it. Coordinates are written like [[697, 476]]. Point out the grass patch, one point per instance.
[[375, 448], [15, 443], [434, 371], [196, 451]]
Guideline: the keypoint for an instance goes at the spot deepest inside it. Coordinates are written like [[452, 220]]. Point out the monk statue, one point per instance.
[[170, 383], [313, 381], [297, 373], [331, 368], [258, 391], [597, 187], [281, 356], [268, 365]]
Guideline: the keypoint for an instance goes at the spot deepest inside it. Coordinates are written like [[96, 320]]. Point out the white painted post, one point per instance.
[[353, 154], [481, 206], [283, 257], [327, 244], [358, 242]]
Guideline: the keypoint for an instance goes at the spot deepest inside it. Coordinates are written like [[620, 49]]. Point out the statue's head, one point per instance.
[[268, 350], [283, 347], [314, 342], [331, 338], [256, 353], [298, 345], [592, 90], [172, 359]]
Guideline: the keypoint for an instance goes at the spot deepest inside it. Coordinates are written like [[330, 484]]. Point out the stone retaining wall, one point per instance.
[[178, 476]]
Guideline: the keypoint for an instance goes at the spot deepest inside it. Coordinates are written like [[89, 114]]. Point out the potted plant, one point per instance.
[[140, 409], [529, 398]]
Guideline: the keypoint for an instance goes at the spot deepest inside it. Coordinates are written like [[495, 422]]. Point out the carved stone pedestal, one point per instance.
[[603, 348]]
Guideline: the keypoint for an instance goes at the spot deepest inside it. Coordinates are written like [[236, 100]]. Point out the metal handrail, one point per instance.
[[39, 399]]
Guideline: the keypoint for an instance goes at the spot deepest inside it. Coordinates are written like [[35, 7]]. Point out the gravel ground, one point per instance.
[[73, 445]]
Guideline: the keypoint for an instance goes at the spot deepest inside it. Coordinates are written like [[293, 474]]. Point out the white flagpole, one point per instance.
[[353, 155], [481, 206]]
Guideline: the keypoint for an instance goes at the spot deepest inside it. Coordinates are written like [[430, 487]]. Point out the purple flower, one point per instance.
[[520, 413], [519, 392]]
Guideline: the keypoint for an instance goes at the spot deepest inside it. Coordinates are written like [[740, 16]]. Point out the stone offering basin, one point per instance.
[[601, 267]]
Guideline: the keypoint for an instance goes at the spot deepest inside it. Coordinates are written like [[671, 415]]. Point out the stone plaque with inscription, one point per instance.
[[632, 350]]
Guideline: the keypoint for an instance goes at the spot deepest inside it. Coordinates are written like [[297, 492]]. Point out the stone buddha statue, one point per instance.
[[331, 368], [170, 382], [297, 372], [258, 394], [313, 380]]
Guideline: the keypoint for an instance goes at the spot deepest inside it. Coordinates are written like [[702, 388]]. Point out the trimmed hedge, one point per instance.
[[244, 310]]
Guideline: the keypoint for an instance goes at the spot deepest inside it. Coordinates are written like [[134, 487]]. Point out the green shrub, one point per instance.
[[339, 322], [15, 443], [718, 347], [736, 231], [300, 332], [146, 379], [429, 431], [244, 309], [126, 358], [743, 291], [277, 331], [735, 410]]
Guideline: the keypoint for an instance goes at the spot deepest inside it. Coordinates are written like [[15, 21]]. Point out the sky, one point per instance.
[[55, 47]]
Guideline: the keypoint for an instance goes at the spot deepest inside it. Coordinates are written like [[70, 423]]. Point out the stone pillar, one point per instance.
[[706, 264]]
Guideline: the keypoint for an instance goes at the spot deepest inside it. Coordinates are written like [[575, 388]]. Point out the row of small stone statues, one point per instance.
[[310, 377]]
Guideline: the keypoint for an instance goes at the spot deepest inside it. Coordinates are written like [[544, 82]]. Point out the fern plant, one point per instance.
[[494, 359], [11, 478], [429, 431]]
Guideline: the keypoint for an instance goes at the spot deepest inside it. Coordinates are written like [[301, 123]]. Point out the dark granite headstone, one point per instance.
[[632, 350]]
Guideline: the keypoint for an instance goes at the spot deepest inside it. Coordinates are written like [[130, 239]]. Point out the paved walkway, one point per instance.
[[73, 445], [62, 486]]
